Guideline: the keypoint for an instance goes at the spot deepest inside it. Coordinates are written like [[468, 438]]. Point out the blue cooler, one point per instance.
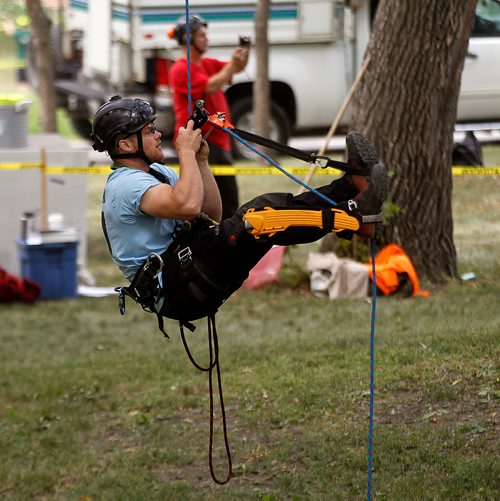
[[52, 266]]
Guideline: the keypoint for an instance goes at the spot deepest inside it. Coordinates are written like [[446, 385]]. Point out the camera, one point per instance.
[[244, 41]]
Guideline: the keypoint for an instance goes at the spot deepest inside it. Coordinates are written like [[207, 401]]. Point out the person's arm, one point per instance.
[[212, 204], [223, 76], [185, 199]]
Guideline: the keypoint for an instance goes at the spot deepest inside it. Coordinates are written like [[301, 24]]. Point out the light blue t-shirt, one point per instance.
[[131, 233]]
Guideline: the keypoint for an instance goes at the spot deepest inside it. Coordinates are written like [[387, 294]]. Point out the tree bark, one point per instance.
[[406, 105], [40, 31], [261, 87]]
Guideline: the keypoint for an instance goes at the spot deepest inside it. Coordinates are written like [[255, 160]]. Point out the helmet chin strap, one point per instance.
[[139, 153]]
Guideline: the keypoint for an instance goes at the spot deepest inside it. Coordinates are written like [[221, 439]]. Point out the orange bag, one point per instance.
[[391, 262]]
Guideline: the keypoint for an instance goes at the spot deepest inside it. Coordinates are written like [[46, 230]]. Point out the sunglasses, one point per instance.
[[149, 130]]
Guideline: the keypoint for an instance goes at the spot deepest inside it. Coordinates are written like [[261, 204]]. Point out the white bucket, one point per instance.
[[13, 122]]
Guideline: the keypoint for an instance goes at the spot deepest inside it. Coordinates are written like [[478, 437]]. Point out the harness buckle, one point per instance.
[[321, 161], [184, 256], [352, 205]]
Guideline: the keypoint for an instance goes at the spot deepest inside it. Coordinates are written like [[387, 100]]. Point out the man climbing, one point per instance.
[[164, 229], [209, 76]]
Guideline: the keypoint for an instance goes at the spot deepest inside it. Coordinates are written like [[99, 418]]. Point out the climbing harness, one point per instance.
[[194, 284], [146, 288]]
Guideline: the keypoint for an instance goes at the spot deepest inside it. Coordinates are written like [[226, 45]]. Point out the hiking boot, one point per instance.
[[370, 200], [361, 155]]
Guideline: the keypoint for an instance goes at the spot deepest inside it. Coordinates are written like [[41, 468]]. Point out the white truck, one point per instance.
[[316, 48]]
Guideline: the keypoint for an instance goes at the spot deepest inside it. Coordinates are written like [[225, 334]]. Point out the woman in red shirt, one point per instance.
[[208, 77]]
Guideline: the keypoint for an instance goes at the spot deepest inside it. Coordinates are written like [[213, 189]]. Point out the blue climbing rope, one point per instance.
[[374, 301], [372, 372]]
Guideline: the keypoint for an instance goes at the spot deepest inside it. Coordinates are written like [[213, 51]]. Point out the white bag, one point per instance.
[[337, 277]]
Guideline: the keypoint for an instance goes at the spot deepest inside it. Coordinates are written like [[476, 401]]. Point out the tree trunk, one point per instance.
[[407, 106], [40, 31], [261, 87]]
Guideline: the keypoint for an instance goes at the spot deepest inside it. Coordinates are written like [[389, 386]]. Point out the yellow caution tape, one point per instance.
[[12, 64], [18, 166], [475, 171], [224, 170], [218, 170], [101, 169]]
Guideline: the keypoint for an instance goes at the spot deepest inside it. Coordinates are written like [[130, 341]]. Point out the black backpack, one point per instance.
[[468, 152]]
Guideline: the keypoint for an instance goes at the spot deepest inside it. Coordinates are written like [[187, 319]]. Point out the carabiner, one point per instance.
[[148, 262]]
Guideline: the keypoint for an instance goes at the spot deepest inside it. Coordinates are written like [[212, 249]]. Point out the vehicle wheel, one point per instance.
[[242, 118]]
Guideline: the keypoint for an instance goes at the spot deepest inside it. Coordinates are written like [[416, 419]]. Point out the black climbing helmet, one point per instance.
[[179, 32], [119, 116]]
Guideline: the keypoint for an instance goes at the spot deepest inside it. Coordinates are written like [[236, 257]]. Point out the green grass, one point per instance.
[[98, 405], [101, 406]]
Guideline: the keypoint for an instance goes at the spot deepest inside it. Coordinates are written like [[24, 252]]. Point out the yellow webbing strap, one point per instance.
[[269, 221]]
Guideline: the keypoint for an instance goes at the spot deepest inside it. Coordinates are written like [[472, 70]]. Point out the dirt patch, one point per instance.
[[477, 417]]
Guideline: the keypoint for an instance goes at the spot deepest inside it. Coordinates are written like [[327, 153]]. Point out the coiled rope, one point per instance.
[[213, 348]]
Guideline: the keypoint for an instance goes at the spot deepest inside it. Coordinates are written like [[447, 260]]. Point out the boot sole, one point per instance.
[[361, 151], [381, 181], [380, 185]]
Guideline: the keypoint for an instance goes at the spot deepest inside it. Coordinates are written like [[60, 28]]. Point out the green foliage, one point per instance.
[[11, 9], [64, 126]]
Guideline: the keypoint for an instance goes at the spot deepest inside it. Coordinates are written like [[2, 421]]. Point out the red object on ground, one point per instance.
[[267, 270], [14, 289]]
